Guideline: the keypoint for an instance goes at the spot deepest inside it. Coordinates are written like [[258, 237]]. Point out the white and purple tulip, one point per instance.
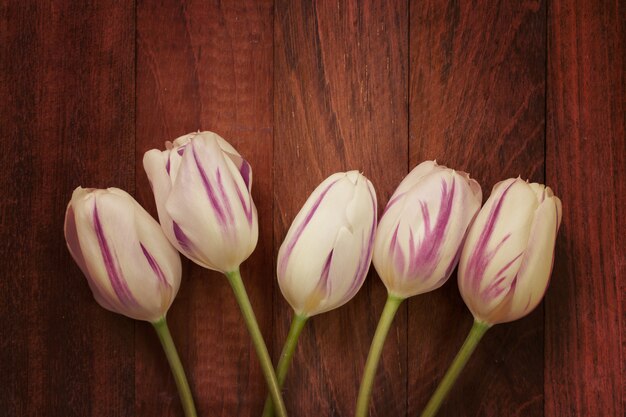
[[420, 234], [326, 254], [507, 258], [202, 190], [130, 266]]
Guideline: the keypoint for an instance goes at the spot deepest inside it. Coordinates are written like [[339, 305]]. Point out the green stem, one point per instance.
[[234, 278], [476, 333], [386, 318], [176, 366], [297, 324]]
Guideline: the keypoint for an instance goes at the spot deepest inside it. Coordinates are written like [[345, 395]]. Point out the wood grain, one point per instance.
[[340, 104], [67, 119], [305, 89], [477, 101], [586, 149], [208, 66]]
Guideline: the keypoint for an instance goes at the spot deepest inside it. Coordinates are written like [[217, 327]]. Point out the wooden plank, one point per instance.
[[477, 80], [586, 149], [67, 119], [340, 104], [208, 66]]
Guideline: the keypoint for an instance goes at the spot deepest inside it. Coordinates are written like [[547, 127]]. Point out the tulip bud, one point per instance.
[[130, 266], [202, 190], [421, 232], [507, 258], [326, 254]]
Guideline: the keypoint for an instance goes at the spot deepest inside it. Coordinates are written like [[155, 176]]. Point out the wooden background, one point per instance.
[[304, 89]]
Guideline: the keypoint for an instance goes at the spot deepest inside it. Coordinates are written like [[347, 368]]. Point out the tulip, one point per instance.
[[505, 264], [202, 188], [129, 264], [418, 244], [326, 254], [420, 234], [507, 260]]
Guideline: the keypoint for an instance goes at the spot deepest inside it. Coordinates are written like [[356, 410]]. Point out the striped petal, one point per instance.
[[507, 257], [130, 265], [420, 234]]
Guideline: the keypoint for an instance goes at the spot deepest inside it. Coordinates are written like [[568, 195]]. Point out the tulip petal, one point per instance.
[[302, 220], [202, 189], [415, 176], [507, 259], [338, 218], [199, 214], [498, 242], [130, 266], [73, 244], [534, 272], [111, 263], [344, 269], [160, 173], [132, 234], [211, 218], [423, 231]]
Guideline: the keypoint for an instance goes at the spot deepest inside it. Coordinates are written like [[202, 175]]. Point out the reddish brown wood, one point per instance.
[[340, 104], [586, 149], [304, 89], [208, 66], [477, 104], [66, 119]]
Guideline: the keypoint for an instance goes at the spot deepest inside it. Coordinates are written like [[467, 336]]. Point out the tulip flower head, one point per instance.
[[130, 265], [326, 254], [421, 232], [202, 190], [507, 259]]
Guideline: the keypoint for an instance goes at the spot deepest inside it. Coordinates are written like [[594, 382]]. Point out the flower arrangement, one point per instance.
[[433, 221]]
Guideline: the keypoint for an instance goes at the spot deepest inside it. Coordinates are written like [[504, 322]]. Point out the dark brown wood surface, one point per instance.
[[586, 163], [304, 89]]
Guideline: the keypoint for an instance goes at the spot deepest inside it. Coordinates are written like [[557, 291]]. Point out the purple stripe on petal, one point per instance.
[[324, 283], [73, 244], [154, 265], [219, 212], [245, 172], [427, 257], [225, 200], [426, 214], [182, 238], [508, 265], [393, 201], [247, 206], [494, 289], [396, 252], [480, 258], [282, 262], [412, 248], [110, 263]]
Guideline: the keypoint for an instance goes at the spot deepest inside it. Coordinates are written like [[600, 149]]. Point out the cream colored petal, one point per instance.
[[534, 273]]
